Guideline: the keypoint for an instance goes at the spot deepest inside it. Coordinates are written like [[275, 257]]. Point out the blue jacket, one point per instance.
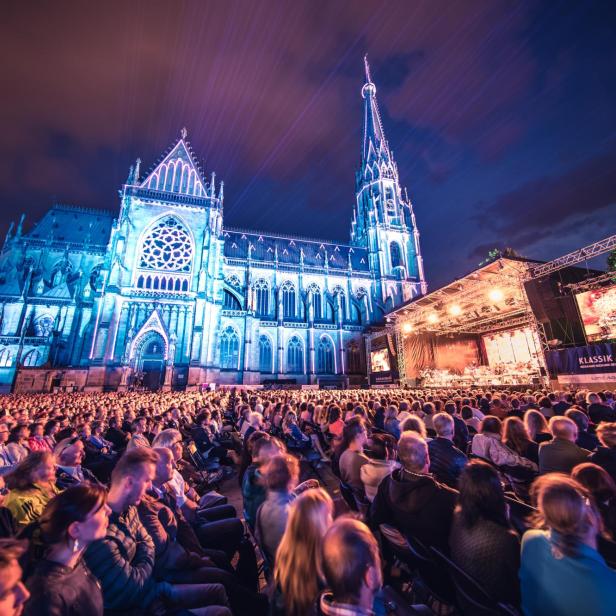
[[580, 586]]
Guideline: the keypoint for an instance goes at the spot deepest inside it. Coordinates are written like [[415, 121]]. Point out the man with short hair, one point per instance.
[[446, 460], [352, 569], [69, 470], [13, 593], [123, 561], [561, 454], [411, 500], [585, 438], [460, 433], [597, 411]]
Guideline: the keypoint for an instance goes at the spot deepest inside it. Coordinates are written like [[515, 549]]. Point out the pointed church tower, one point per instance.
[[383, 218]]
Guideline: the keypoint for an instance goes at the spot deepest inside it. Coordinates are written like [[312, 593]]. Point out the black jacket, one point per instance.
[[417, 505], [606, 458], [601, 412], [57, 590], [446, 461], [460, 435]]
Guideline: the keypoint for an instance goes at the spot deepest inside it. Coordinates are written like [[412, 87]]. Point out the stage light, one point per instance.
[[407, 328], [455, 310], [433, 318], [496, 295]]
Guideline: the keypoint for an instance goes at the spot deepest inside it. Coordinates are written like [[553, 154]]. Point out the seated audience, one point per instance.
[[13, 593], [487, 444], [6, 460], [69, 455], [416, 424], [598, 411], [411, 500], [352, 569], [481, 540], [352, 457], [598, 482], [382, 461], [585, 439], [446, 460], [605, 456], [561, 454], [32, 486], [391, 423], [17, 445], [61, 584], [561, 570], [297, 571], [537, 426]]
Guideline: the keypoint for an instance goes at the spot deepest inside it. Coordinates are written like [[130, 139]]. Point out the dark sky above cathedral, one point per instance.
[[501, 115]]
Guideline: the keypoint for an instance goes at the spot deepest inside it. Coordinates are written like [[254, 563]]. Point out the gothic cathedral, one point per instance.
[[163, 294]]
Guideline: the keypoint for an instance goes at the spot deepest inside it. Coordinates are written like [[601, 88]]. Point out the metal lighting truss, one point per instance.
[[583, 254], [591, 283]]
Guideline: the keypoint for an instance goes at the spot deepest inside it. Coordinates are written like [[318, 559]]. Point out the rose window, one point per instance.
[[167, 247]]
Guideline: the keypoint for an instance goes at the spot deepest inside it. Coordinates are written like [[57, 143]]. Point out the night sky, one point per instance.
[[501, 115]]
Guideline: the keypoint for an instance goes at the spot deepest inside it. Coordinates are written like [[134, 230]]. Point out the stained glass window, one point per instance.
[[167, 247]]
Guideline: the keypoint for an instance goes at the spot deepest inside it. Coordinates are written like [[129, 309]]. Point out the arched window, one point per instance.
[[148, 282], [355, 313], [325, 356], [316, 301], [265, 354], [229, 349], [167, 247], [140, 282], [230, 301], [288, 300], [395, 254], [340, 297], [31, 358], [262, 297], [295, 356], [5, 358], [353, 359]]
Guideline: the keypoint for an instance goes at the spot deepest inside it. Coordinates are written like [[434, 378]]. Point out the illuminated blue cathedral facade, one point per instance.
[[163, 294]]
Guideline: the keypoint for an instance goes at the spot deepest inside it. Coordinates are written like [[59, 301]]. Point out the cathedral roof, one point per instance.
[[374, 143], [74, 225], [290, 250]]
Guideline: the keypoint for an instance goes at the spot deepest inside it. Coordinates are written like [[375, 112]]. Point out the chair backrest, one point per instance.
[[474, 598], [349, 497], [401, 547]]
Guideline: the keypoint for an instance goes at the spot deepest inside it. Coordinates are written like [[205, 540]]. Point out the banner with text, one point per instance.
[[594, 363]]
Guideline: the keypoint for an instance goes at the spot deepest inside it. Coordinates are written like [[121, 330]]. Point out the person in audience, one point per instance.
[[469, 419], [598, 411], [561, 571], [603, 489], [6, 460], [61, 585], [537, 426], [585, 439], [13, 593], [517, 439], [416, 424], [561, 454], [69, 455], [297, 572], [352, 457], [460, 436], [563, 403], [446, 460], [49, 433], [97, 440], [391, 423], [545, 407], [8, 528], [36, 441], [116, 435], [482, 542], [32, 486], [352, 569], [123, 561], [411, 500], [281, 475], [488, 445], [138, 437], [382, 461], [605, 456], [17, 445]]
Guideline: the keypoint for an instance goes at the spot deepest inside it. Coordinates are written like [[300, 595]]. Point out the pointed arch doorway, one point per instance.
[[151, 359]]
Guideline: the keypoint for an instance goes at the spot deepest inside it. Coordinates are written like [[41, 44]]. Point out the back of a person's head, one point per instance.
[[132, 463], [566, 507], [298, 559], [606, 433], [514, 431], [562, 427], [481, 495], [579, 418], [265, 448], [281, 473], [491, 425], [166, 438], [413, 452], [350, 552], [466, 412], [596, 480], [383, 446], [450, 407], [444, 425], [352, 428], [415, 424], [74, 504]]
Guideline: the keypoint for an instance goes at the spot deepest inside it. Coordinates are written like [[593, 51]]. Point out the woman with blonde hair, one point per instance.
[[516, 437], [297, 573], [537, 426], [32, 485]]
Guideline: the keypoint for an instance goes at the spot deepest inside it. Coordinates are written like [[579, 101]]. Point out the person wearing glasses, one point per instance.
[[69, 457]]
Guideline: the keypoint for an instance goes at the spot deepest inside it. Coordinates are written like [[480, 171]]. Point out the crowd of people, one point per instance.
[[353, 502]]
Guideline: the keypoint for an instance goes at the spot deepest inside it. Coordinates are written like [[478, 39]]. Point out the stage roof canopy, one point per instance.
[[489, 299]]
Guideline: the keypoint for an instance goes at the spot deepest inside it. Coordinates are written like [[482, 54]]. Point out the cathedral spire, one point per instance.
[[373, 128]]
